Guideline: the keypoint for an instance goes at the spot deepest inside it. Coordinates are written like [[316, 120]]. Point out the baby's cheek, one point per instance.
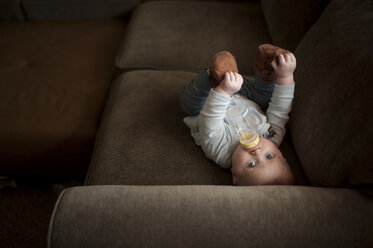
[[238, 156], [235, 157]]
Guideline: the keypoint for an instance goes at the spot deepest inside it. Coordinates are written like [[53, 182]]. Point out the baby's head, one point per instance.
[[262, 165]]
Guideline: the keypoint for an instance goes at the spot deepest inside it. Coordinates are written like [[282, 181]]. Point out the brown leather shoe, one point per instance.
[[266, 53], [222, 62]]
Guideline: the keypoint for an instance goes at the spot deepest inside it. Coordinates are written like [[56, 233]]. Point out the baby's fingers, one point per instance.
[[281, 59], [274, 66], [238, 77], [227, 76], [232, 75], [287, 57]]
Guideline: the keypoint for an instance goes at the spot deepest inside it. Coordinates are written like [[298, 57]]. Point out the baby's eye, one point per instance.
[[251, 164], [269, 156]]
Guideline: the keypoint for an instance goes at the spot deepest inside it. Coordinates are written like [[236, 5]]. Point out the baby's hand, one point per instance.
[[284, 68], [231, 83]]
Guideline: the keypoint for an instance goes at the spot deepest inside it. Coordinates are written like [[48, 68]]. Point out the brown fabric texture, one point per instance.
[[54, 81], [143, 140], [186, 35], [289, 20], [77, 9], [287, 149], [331, 121], [211, 216]]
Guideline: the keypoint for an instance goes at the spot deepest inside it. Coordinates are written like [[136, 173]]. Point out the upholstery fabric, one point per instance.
[[257, 1], [287, 149], [211, 216], [331, 122], [178, 35], [143, 140], [289, 20], [77, 9], [54, 81], [10, 10]]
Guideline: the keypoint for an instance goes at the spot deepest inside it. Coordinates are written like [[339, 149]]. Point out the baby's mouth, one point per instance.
[[258, 146]]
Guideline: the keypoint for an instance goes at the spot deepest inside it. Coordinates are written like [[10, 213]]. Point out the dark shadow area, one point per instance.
[[26, 205]]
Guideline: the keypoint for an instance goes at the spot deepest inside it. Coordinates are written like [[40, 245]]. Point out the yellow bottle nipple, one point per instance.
[[249, 140]]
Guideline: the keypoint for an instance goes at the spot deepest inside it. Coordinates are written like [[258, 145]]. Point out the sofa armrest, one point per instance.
[[211, 216]]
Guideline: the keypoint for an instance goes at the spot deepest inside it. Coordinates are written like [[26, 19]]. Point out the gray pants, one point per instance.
[[196, 92]]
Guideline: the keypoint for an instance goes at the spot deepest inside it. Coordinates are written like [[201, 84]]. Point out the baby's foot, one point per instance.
[[222, 63], [266, 53]]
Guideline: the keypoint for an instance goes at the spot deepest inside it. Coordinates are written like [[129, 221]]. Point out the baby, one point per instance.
[[214, 91]]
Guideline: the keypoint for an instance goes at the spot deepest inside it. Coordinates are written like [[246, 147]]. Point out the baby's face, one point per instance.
[[263, 164]]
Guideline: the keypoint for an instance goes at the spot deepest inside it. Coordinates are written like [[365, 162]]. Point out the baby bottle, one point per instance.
[[243, 120]]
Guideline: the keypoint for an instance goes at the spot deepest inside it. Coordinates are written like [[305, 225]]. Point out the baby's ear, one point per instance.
[[234, 178]]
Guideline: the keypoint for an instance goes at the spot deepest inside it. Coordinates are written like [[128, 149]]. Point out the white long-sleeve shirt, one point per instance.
[[218, 137]]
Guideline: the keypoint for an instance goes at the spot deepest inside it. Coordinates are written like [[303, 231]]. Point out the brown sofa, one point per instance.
[[148, 185]]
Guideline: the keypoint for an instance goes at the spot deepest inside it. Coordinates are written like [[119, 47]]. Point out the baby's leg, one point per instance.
[[258, 91], [195, 94]]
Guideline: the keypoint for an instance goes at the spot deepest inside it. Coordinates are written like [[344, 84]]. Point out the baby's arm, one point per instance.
[[215, 141], [282, 97]]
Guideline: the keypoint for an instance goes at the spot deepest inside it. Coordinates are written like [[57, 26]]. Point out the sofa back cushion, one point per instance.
[[289, 20], [77, 9], [331, 121], [10, 10]]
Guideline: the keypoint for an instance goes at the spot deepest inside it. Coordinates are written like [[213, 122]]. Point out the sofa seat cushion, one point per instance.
[[180, 35], [331, 122], [143, 140], [54, 80]]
